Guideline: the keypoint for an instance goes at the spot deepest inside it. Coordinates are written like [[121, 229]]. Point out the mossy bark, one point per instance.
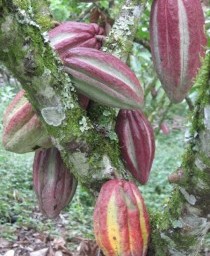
[[93, 157], [181, 229]]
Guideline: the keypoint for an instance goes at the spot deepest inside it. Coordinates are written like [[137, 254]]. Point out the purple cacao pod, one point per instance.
[[103, 78], [22, 130], [137, 143], [177, 43], [83, 101], [72, 34], [53, 183]]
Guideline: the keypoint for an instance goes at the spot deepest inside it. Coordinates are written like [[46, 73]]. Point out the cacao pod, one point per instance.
[[177, 43], [22, 130], [164, 128], [121, 221], [137, 143], [103, 78], [53, 183], [71, 34], [83, 101]]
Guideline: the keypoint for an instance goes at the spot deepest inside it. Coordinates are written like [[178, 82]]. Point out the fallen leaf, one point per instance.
[[42, 252], [4, 243], [59, 253], [10, 253], [59, 243]]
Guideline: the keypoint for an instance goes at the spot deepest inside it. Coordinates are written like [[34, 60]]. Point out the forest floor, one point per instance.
[[30, 242]]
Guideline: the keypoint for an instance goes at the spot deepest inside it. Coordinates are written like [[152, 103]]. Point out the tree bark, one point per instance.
[[92, 156], [182, 227]]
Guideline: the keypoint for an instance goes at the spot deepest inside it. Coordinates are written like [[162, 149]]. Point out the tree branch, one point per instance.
[[92, 157], [185, 221]]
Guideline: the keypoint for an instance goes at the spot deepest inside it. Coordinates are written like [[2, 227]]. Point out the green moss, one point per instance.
[[157, 223], [40, 11], [42, 15], [187, 241], [202, 83], [22, 4], [46, 22], [71, 129], [205, 159]]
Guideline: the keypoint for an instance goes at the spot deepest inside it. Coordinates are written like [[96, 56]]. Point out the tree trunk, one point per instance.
[[182, 227], [25, 51], [91, 156]]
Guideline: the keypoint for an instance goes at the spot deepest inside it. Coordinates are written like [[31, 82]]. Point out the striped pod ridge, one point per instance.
[[22, 129], [72, 34], [177, 44], [103, 78], [121, 221], [137, 143], [53, 183]]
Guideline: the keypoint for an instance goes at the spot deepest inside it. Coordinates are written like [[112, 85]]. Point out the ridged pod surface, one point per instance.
[[103, 78], [121, 221], [137, 143], [53, 183], [71, 34], [22, 130], [177, 42]]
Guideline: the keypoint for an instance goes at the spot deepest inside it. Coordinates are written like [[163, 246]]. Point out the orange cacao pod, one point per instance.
[[121, 221]]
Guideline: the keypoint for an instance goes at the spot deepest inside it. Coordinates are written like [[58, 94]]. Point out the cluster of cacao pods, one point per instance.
[[121, 221], [106, 79]]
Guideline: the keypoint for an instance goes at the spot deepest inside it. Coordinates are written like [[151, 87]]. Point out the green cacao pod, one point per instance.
[[22, 129], [177, 43], [137, 143], [53, 182], [121, 221], [104, 78]]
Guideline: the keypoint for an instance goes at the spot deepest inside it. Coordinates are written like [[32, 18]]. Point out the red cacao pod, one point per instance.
[[137, 143], [177, 43], [83, 101], [22, 130], [72, 34], [54, 184], [103, 78], [165, 128], [121, 221]]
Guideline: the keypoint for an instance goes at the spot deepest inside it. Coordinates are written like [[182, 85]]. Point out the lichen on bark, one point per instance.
[[185, 222], [27, 54]]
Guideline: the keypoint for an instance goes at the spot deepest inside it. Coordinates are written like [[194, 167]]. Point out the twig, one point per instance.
[[189, 103], [145, 43], [163, 117], [86, 12]]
